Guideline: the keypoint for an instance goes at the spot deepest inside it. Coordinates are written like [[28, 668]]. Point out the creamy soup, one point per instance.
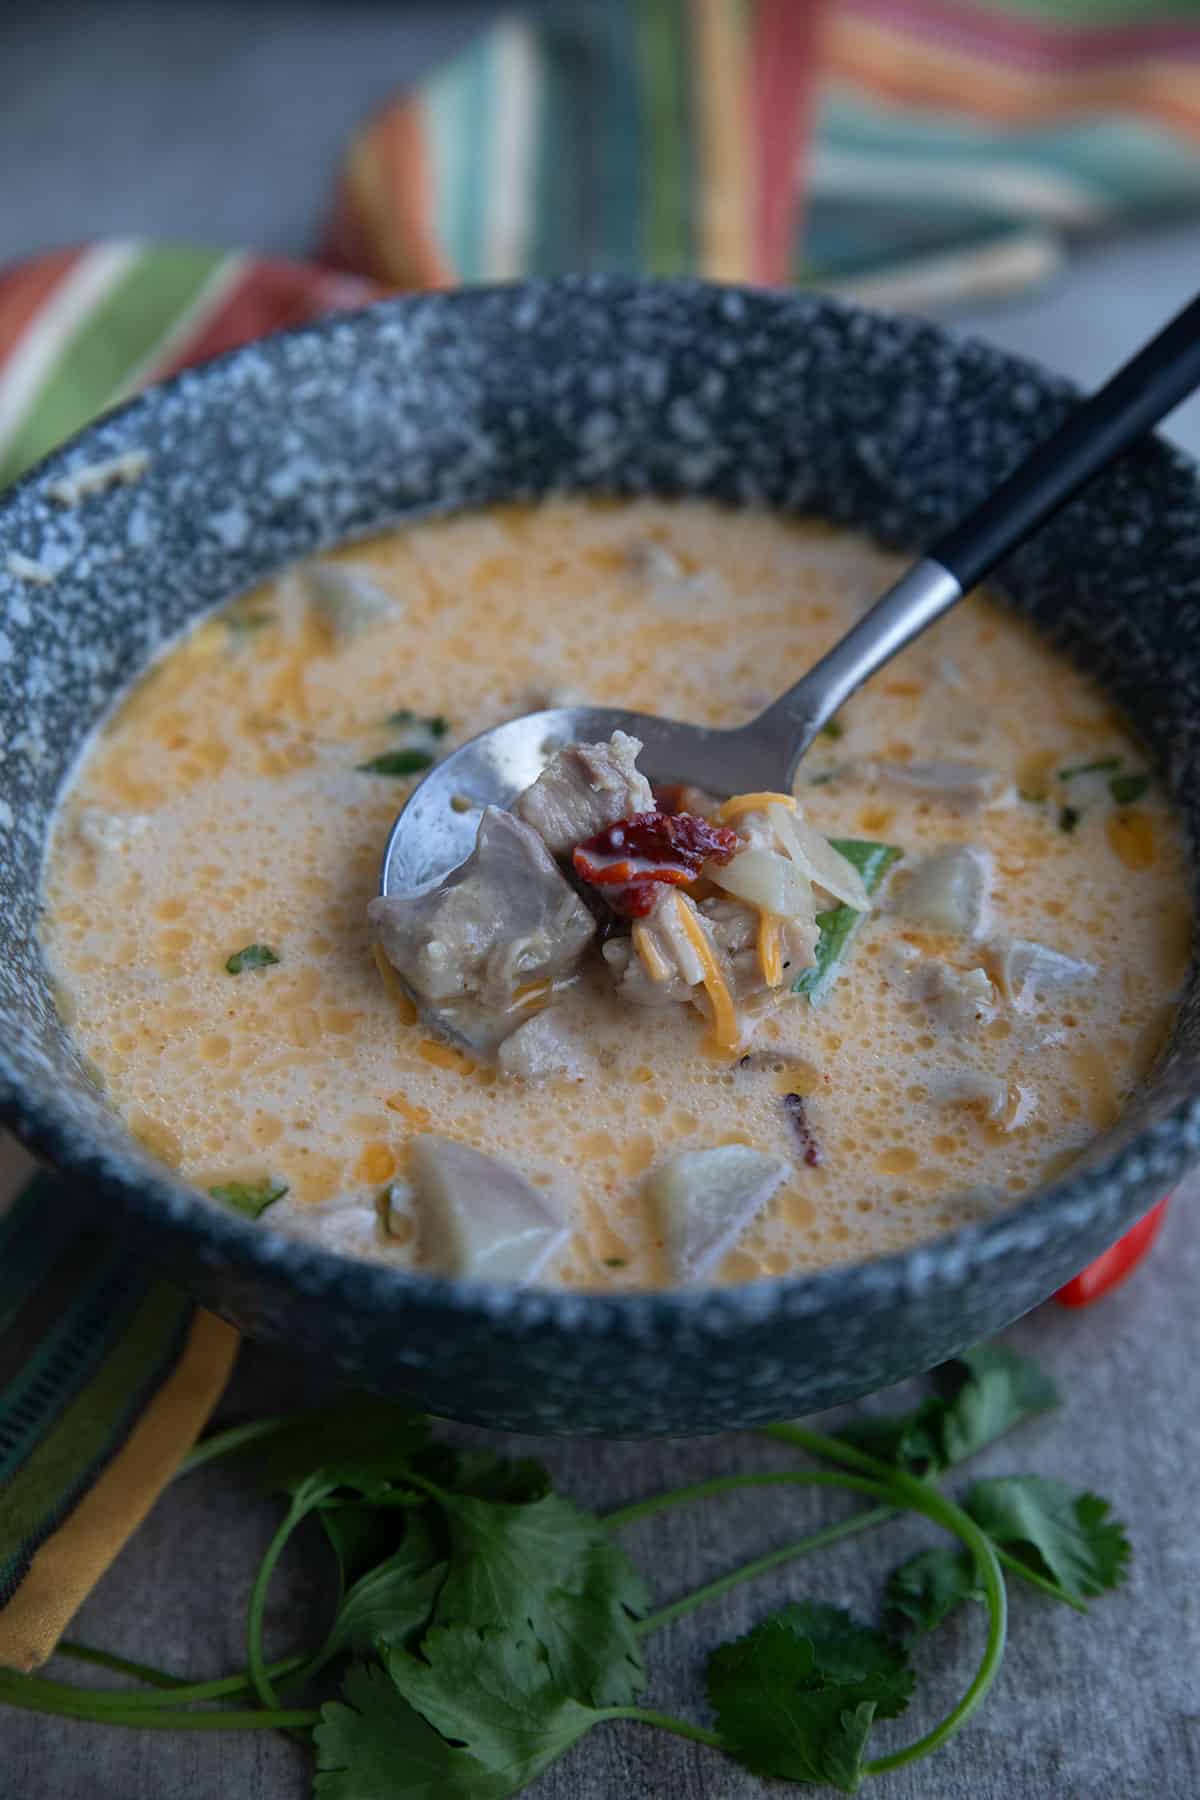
[[957, 1037]]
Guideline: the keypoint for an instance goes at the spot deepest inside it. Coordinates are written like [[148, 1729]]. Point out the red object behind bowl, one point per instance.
[[1119, 1260]]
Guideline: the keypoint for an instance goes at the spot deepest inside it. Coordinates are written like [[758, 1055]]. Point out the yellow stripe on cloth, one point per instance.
[[67, 1566]]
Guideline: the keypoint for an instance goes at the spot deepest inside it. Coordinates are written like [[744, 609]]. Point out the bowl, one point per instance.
[[442, 402]]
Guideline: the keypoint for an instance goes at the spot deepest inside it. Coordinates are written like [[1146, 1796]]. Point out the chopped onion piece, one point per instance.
[[704, 1199], [963, 784], [815, 855], [948, 891], [478, 1217], [772, 883]]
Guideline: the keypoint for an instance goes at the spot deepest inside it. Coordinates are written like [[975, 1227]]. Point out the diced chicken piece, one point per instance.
[[545, 1046], [965, 785], [971, 1087], [583, 788], [477, 1217], [100, 830], [948, 891], [704, 1200], [1025, 971], [505, 918], [657, 965], [347, 601], [957, 1001]]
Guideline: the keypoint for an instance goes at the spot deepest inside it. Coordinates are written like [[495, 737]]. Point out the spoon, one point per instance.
[[437, 827]]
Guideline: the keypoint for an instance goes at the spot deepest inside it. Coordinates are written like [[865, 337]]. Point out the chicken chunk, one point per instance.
[[1025, 971], [505, 918], [347, 601], [477, 1217], [958, 1001], [657, 965], [583, 788], [964, 785], [545, 1046]]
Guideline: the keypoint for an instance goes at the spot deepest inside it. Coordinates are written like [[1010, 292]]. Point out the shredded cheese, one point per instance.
[[395, 992], [738, 804], [770, 948], [652, 959], [726, 1035]]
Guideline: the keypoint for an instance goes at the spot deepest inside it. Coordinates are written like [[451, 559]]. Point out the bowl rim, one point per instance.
[[146, 1191]]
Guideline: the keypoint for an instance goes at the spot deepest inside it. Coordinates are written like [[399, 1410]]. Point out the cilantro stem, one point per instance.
[[921, 1497], [27, 1692], [817, 1540], [726, 1484], [257, 1668], [229, 1442], [178, 1693], [121, 1665], [645, 1715]]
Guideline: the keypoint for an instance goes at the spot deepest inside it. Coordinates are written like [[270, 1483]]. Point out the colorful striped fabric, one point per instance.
[[898, 150], [901, 150]]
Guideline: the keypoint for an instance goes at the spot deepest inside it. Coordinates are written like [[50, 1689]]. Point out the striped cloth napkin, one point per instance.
[[903, 151]]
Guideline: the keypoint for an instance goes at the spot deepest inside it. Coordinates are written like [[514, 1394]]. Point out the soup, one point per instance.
[[910, 1035]]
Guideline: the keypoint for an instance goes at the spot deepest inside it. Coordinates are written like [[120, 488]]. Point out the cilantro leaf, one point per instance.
[[385, 1607], [251, 1198], [485, 1476], [371, 1745], [362, 1535], [798, 1695], [911, 1440], [933, 1584], [251, 956], [1059, 1532], [398, 762], [548, 1569], [839, 924], [1001, 1390], [241, 624], [1126, 789], [833, 728], [493, 1693], [361, 1442]]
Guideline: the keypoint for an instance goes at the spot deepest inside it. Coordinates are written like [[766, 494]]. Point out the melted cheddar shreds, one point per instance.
[[770, 948], [726, 1034], [740, 804]]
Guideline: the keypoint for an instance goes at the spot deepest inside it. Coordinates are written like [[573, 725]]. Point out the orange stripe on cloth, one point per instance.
[[382, 221], [68, 1565], [722, 86], [884, 61], [25, 290]]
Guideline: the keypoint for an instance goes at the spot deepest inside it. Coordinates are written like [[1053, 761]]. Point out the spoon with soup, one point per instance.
[[436, 831]]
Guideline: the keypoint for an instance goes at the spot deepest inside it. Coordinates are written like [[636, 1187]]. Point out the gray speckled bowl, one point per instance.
[[586, 385]]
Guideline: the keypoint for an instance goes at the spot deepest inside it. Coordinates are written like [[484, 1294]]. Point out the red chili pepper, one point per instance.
[[1115, 1263], [627, 859]]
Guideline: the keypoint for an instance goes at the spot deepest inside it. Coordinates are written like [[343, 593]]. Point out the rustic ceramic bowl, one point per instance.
[[604, 386]]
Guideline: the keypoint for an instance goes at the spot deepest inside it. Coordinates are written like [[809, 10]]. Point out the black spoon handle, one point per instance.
[[1163, 373]]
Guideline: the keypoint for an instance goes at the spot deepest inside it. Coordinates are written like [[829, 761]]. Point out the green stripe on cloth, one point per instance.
[[92, 1429], [457, 105], [105, 350], [616, 130], [554, 227], [667, 238]]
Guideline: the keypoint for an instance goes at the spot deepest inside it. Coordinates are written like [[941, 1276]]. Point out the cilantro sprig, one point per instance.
[[484, 1623]]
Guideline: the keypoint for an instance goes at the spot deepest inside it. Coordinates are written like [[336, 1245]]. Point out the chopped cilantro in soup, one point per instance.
[[664, 1036]]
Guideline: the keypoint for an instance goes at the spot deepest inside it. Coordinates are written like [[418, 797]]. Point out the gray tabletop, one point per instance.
[[216, 121]]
